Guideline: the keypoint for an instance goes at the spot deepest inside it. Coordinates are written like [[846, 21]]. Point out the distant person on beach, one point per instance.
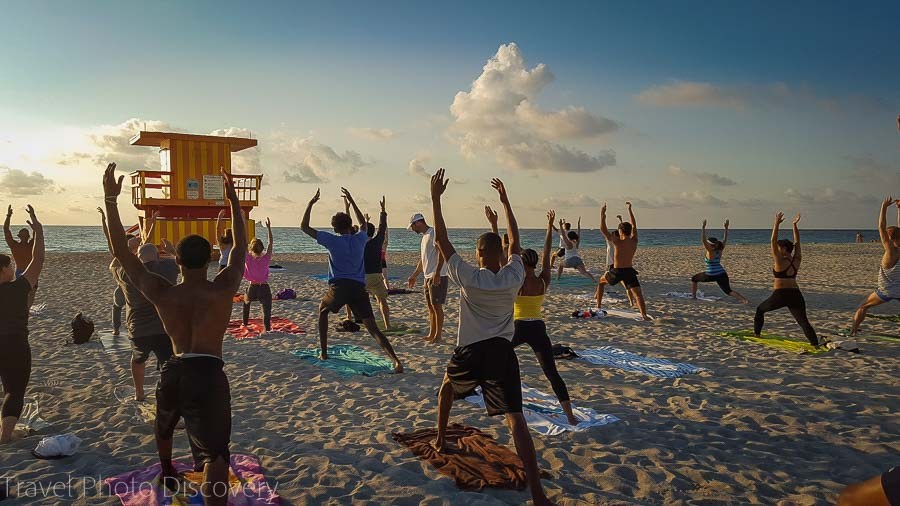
[[786, 256], [713, 271], [485, 355], [611, 258], [375, 281], [21, 250], [195, 314], [145, 329], [224, 240], [888, 287], [431, 263], [561, 249], [882, 490], [570, 241], [859, 238], [15, 292], [346, 275], [118, 304], [625, 241], [384, 264], [256, 272]]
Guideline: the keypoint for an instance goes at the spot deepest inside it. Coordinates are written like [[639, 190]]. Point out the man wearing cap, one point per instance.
[[432, 265], [141, 319]]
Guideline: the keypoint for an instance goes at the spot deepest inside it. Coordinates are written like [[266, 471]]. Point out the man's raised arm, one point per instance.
[[7, 233], [304, 224], [882, 221], [360, 217], [512, 227], [603, 228], [149, 284], [634, 233], [33, 271], [442, 240], [271, 238], [382, 221], [491, 216], [232, 274]]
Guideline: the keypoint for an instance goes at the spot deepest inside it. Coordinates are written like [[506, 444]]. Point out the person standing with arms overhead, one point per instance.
[[625, 241], [714, 272], [484, 355], [786, 259], [194, 313], [346, 275], [888, 288], [432, 265], [256, 272], [15, 357], [224, 240], [375, 280]]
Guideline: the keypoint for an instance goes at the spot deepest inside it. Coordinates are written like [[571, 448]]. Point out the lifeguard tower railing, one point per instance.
[[153, 188]]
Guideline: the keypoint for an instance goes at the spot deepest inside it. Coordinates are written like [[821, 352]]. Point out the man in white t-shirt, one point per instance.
[[484, 355], [432, 265]]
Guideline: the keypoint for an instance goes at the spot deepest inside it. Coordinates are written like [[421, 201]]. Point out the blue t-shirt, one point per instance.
[[345, 255]]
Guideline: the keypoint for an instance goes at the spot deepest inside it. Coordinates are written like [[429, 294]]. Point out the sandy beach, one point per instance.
[[762, 426]]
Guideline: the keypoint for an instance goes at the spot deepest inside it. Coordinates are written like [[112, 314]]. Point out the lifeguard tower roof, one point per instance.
[[235, 144]]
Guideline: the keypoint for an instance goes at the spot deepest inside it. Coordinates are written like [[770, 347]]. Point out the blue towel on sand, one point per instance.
[[628, 361], [348, 360]]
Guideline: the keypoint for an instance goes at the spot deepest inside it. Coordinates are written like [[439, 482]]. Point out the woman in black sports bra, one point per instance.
[[786, 257]]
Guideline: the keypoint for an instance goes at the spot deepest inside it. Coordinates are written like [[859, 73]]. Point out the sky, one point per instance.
[[690, 110]]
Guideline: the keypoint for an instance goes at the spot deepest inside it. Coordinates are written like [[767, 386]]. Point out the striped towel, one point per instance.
[[628, 361]]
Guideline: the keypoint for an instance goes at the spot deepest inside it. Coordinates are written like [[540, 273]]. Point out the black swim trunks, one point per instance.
[[346, 292], [720, 279], [195, 388], [159, 345], [491, 364], [626, 275], [561, 252], [890, 482]]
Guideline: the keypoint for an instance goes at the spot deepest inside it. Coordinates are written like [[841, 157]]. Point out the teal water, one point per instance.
[[292, 240]]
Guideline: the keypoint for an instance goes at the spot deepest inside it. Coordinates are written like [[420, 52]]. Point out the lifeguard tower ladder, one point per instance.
[[188, 191]]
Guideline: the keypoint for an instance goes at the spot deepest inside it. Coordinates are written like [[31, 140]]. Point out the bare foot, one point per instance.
[[398, 367], [573, 421], [171, 479], [323, 356], [646, 318], [439, 445], [139, 397]]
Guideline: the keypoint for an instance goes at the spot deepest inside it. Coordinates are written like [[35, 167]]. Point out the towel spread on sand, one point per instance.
[[400, 291], [142, 487], [628, 361], [348, 360], [398, 330], [687, 295], [472, 458], [37, 309], [776, 341], [573, 281], [600, 314], [888, 317], [255, 327], [114, 344], [545, 415], [609, 297], [30, 420]]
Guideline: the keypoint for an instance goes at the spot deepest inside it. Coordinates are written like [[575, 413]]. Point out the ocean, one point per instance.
[[292, 240]]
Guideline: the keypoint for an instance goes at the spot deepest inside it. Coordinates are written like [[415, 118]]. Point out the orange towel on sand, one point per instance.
[[472, 458], [255, 327]]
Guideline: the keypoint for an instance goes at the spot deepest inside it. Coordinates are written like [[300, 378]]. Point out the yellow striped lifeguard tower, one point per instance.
[[188, 191]]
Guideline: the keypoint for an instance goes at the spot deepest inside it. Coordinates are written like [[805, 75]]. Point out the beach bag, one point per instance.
[[348, 326], [82, 329], [564, 352], [286, 294]]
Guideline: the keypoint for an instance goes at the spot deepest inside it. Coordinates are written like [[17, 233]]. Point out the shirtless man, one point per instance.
[[625, 241], [888, 274], [194, 313], [484, 355], [21, 250]]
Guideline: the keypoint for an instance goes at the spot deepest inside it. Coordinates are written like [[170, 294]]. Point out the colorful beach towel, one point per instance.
[[143, 488], [632, 362], [776, 341], [687, 295], [545, 415], [255, 327], [348, 360], [114, 344], [472, 459], [398, 330]]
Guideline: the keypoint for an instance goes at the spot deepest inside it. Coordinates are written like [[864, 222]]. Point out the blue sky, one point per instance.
[[691, 109]]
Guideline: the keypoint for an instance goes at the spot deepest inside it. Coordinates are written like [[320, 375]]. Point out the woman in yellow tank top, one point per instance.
[[529, 317]]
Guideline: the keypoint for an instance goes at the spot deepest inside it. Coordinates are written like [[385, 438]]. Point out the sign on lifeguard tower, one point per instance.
[[187, 191]]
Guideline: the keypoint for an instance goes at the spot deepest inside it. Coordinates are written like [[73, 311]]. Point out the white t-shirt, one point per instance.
[[486, 299], [430, 255]]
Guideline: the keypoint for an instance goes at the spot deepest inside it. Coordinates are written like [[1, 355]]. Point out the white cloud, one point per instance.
[[420, 199], [246, 161], [690, 94], [373, 134], [309, 161], [498, 116], [416, 166], [18, 183], [569, 201], [705, 178]]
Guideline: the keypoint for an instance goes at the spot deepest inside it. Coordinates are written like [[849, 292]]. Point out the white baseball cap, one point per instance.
[[416, 217]]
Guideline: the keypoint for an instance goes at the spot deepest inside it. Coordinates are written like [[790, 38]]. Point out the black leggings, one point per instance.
[[15, 371], [791, 298], [534, 332], [263, 294]]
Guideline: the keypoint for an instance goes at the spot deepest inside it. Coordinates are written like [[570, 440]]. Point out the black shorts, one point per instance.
[[258, 293], [720, 279], [160, 345], [561, 252], [197, 390], [436, 295], [626, 275], [491, 364], [346, 292], [890, 482]]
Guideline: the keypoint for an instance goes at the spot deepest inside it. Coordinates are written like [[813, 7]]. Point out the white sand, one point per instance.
[[764, 427]]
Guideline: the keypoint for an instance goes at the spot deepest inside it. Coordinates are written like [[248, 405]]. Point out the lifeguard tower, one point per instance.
[[188, 191]]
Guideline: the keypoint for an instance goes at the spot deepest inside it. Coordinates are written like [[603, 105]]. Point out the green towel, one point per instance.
[[348, 360], [888, 317], [774, 341], [398, 330]]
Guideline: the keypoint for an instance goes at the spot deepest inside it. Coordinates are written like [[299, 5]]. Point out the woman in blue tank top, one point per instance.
[[713, 271]]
